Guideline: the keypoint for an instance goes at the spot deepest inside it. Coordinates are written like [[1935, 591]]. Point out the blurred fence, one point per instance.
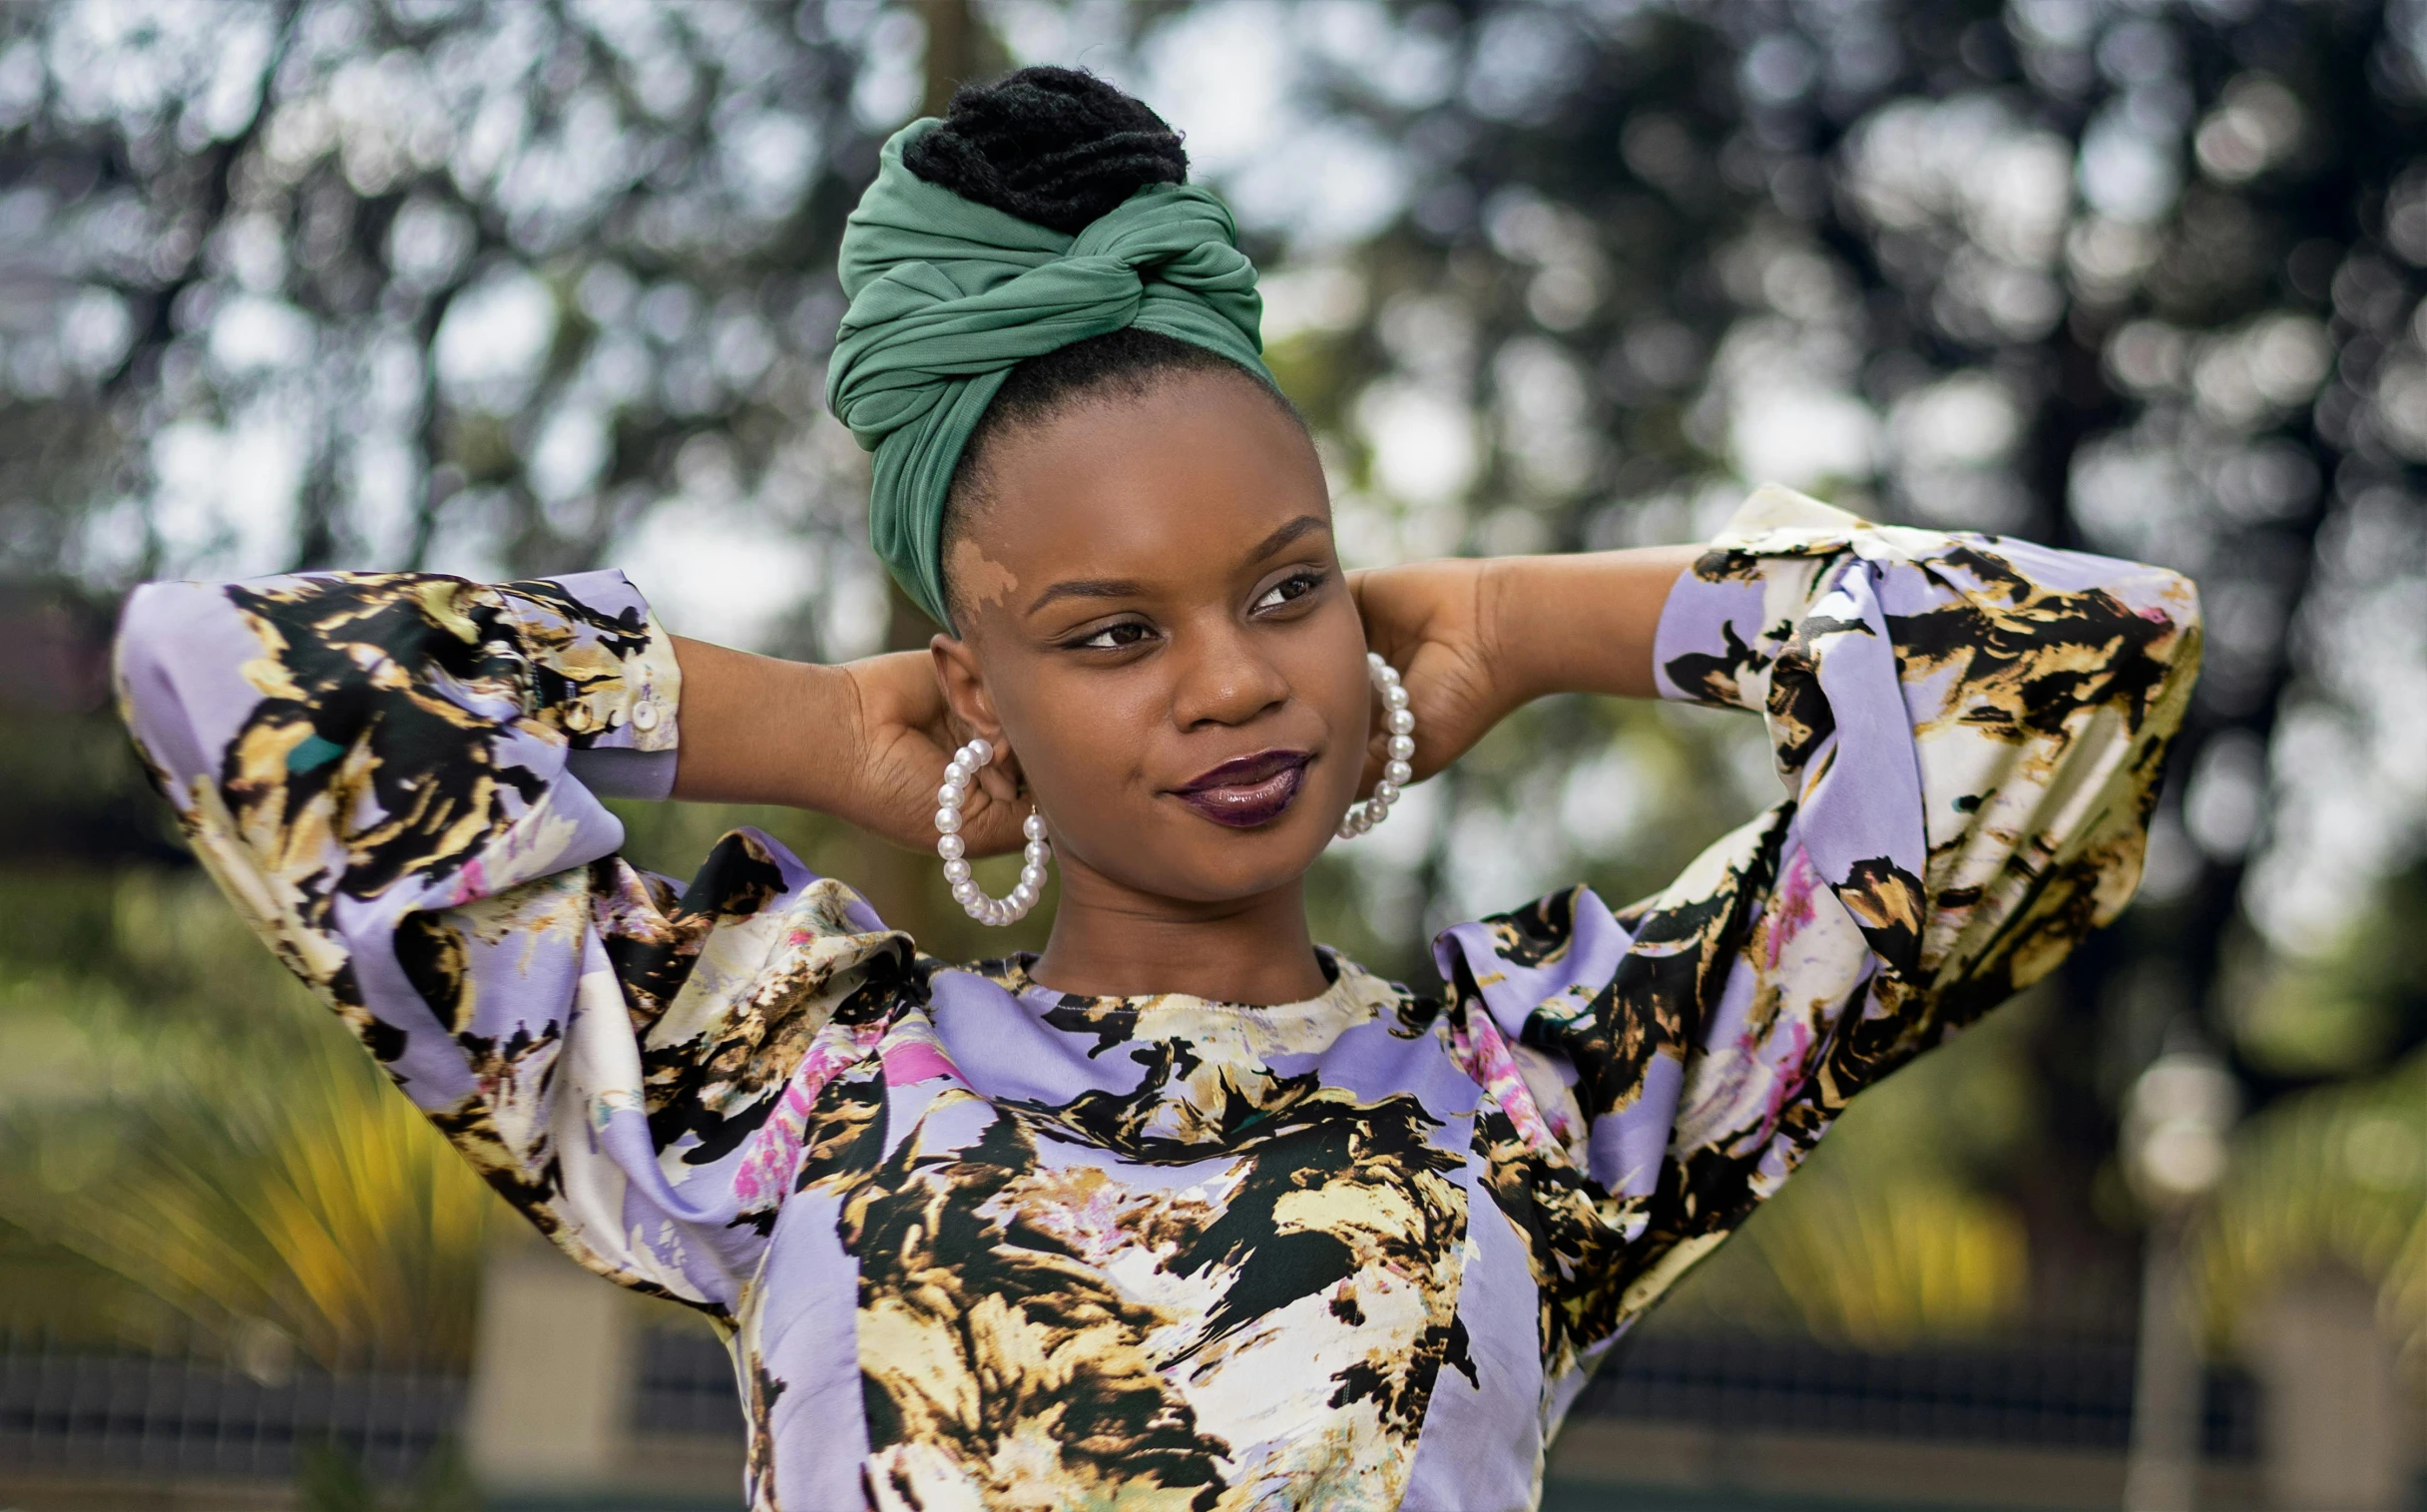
[[64, 1411], [686, 1385], [2073, 1395], [68, 1411]]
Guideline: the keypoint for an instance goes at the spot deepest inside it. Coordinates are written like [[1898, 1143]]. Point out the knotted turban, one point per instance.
[[948, 296]]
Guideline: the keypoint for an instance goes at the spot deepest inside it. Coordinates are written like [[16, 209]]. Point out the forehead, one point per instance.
[[1174, 484]]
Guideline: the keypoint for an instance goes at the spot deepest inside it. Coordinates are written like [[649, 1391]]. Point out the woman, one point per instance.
[[1185, 1212]]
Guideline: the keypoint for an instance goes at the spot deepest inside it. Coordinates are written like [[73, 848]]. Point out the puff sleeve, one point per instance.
[[396, 778], [1970, 730]]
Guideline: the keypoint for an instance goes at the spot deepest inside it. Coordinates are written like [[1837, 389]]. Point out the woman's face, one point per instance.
[[1156, 622]]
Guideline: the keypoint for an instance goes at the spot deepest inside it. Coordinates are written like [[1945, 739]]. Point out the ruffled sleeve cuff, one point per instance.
[[620, 719], [1727, 618]]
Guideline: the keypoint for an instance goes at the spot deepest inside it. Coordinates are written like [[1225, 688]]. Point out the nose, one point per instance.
[[1223, 680]]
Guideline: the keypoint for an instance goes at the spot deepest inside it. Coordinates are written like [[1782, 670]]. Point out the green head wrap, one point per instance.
[[948, 296]]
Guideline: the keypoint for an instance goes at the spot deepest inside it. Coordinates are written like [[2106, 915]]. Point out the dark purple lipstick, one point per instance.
[[1247, 790]]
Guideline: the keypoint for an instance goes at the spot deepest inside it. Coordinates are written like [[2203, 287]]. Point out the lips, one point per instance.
[[1248, 790]]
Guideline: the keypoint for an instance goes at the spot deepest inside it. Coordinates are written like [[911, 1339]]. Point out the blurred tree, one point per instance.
[[494, 289], [2137, 279], [473, 286], [2335, 1177], [490, 289]]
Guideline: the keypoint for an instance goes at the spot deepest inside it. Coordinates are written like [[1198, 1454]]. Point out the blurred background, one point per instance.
[[508, 288]]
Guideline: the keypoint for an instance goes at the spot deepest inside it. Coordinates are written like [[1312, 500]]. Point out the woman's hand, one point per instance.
[[865, 743], [902, 735], [1476, 638], [1438, 623]]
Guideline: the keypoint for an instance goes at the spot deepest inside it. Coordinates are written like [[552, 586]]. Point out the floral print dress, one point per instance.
[[977, 1244]]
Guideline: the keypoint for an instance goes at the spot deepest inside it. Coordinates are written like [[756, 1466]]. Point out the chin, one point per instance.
[[1166, 851], [1243, 864]]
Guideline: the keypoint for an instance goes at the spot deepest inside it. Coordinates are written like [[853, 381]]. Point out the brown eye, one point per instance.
[[1296, 586], [1115, 637]]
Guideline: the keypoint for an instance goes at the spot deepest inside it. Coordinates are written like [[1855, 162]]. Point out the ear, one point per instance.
[[973, 711], [964, 686]]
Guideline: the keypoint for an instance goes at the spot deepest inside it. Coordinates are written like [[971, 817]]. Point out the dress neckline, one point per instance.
[[1348, 984]]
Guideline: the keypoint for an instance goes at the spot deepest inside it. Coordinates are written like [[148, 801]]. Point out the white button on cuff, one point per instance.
[[645, 718]]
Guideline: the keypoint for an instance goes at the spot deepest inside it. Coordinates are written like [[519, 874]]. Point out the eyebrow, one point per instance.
[[1088, 588], [1280, 538], [1123, 588]]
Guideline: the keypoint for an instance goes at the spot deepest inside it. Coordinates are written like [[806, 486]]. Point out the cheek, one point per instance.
[[1348, 713], [1079, 742], [1326, 668]]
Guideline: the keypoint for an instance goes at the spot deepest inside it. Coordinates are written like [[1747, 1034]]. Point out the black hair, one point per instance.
[[1059, 147]]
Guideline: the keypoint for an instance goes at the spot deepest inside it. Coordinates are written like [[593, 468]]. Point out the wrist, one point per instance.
[[1509, 633], [756, 729], [1585, 623], [825, 728]]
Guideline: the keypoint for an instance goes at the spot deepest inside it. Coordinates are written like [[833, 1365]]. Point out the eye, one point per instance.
[[1119, 637], [1295, 586]]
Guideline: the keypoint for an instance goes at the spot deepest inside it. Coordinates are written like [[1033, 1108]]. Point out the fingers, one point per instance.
[[1001, 778], [991, 825], [991, 814], [998, 784]]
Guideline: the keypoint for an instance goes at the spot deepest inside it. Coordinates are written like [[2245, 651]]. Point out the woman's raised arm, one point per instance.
[[1478, 638], [1584, 623], [395, 778], [1970, 731], [864, 742]]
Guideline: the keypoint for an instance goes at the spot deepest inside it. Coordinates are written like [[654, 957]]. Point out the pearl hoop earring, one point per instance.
[[1401, 722], [958, 775]]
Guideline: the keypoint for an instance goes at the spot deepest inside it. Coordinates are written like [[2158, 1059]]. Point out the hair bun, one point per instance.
[[1057, 146]]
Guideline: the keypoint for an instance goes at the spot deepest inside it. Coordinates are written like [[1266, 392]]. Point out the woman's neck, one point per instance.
[[1112, 941]]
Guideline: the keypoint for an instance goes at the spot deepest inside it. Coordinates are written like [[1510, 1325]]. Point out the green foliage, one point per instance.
[[187, 1141], [2336, 1176], [2332, 1179], [328, 1478], [2345, 1009]]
